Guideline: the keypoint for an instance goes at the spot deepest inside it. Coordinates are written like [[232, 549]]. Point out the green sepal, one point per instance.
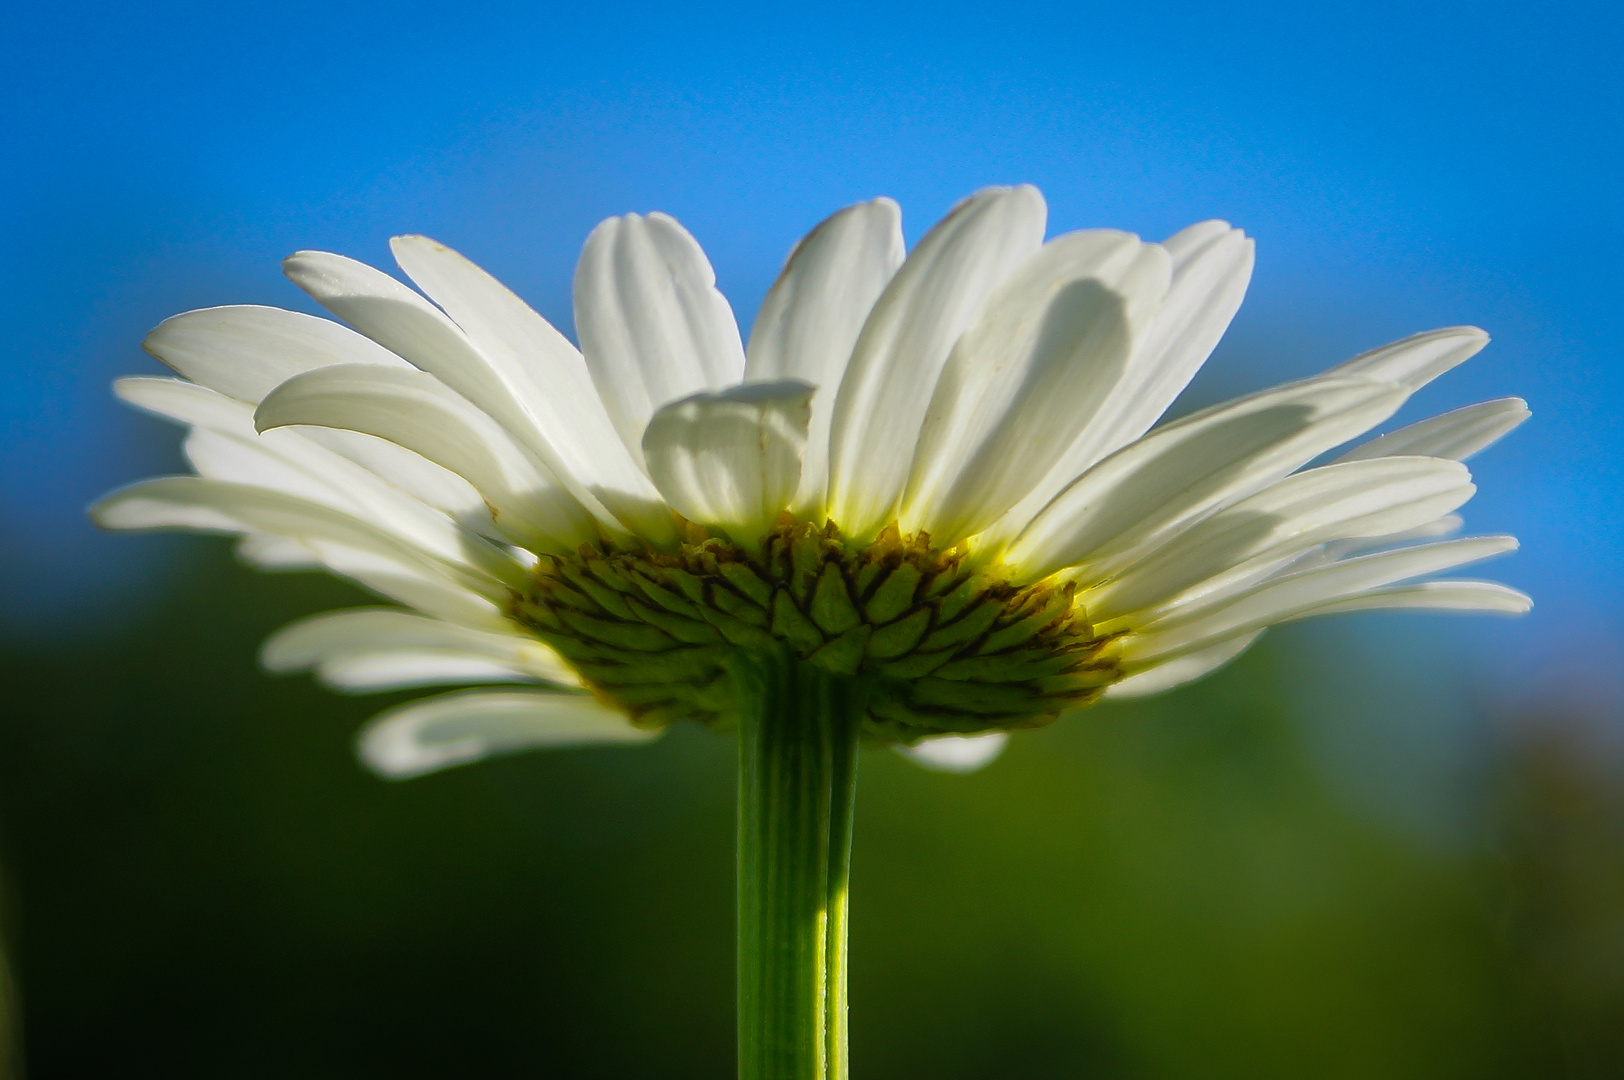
[[1083, 679], [605, 597], [806, 558], [832, 608], [843, 655], [669, 599], [687, 631], [635, 636], [1029, 627], [1004, 668], [611, 575], [895, 594], [744, 579], [1016, 698], [737, 631], [974, 623], [899, 637], [692, 586], [914, 665], [568, 596], [943, 583], [867, 574], [794, 627]]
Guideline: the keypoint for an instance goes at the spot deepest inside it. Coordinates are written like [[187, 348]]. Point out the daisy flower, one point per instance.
[[928, 505]]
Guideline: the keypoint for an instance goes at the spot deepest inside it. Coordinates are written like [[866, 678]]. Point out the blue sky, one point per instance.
[[1403, 166]]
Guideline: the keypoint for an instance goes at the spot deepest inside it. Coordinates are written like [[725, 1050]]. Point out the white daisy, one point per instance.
[[926, 505], [935, 472]]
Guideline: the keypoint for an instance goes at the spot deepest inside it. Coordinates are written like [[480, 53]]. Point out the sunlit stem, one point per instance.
[[797, 781]]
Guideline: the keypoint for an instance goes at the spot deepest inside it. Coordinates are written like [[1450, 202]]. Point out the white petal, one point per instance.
[[205, 505], [398, 318], [956, 753], [544, 372], [318, 638], [1475, 597], [427, 591], [731, 459], [1212, 265], [1155, 678], [906, 340], [1030, 373], [379, 648], [1334, 502], [1458, 434], [431, 484], [1342, 549], [455, 729], [417, 411], [240, 461], [1296, 596], [809, 322], [1416, 360], [187, 403], [243, 351], [652, 325], [371, 673], [265, 551], [1151, 489], [226, 447]]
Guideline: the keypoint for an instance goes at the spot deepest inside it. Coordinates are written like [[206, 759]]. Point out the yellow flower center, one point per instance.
[[940, 647]]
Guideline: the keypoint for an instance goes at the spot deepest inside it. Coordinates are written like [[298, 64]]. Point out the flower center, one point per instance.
[[941, 647]]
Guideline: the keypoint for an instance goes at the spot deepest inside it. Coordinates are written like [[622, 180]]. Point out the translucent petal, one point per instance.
[[1157, 677], [428, 591], [1031, 372], [652, 325], [731, 459], [379, 648], [265, 551], [227, 447], [244, 351], [417, 411], [455, 729], [195, 503], [1458, 434], [1152, 489], [906, 340], [400, 319], [1296, 596], [1212, 265], [1418, 359], [809, 322], [1303, 511], [545, 373], [956, 753]]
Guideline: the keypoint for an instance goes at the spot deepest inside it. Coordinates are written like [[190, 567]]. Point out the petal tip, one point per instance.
[[959, 754]]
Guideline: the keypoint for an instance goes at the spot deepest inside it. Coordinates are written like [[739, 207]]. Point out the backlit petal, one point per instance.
[[652, 324], [1153, 488], [906, 340], [809, 322], [455, 729], [731, 459]]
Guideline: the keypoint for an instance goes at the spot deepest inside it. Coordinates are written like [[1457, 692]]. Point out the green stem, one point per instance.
[[797, 782]]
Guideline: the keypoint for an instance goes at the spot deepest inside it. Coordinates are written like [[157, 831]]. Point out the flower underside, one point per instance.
[[939, 647]]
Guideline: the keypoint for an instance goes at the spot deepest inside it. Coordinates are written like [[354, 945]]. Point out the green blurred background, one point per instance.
[[202, 883]]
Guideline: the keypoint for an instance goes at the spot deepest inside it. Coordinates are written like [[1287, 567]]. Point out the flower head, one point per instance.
[[934, 473]]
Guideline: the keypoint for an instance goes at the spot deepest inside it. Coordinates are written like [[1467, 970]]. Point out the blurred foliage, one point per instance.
[[202, 883]]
